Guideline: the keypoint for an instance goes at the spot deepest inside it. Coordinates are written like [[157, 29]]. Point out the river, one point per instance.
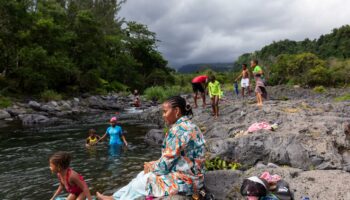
[[24, 154]]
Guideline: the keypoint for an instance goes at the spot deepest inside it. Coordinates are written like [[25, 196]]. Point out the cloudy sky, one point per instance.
[[197, 31]]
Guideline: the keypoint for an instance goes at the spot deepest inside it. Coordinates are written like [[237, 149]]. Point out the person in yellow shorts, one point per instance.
[[215, 94]]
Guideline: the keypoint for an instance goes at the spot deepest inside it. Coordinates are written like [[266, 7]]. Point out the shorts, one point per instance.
[[245, 82], [197, 87]]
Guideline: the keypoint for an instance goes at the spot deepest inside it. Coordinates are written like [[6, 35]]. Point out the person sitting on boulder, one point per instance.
[[180, 169]]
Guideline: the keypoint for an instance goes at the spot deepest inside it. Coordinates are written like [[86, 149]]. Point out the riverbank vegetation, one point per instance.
[[73, 47]]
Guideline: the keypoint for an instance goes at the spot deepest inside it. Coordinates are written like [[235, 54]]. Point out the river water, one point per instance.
[[24, 154]]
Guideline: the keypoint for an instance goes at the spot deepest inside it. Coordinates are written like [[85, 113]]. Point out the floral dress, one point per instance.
[[180, 169]]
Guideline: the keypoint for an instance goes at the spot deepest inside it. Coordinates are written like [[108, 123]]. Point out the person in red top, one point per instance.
[[68, 178], [199, 84]]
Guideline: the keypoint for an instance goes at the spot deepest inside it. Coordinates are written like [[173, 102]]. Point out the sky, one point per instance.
[[209, 31]]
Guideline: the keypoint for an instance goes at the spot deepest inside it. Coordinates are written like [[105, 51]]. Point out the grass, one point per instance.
[[5, 102], [345, 97], [162, 93], [50, 95], [320, 89]]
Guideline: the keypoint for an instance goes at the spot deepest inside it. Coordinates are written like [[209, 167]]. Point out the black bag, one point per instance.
[[282, 191], [254, 186]]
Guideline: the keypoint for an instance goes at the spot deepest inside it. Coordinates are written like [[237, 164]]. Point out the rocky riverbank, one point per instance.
[[311, 144], [35, 112]]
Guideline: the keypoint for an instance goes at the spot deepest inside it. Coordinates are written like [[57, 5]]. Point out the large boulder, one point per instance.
[[34, 105], [32, 119], [4, 114], [310, 135], [224, 184], [154, 137]]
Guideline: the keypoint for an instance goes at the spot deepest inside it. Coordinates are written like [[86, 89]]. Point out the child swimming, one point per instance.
[[68, 178], [92, 139]]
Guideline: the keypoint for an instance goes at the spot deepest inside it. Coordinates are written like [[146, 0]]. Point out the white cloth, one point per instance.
[[244, 82], [135, 189]]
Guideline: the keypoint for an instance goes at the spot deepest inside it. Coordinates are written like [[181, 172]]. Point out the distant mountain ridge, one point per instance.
[[218, 67]]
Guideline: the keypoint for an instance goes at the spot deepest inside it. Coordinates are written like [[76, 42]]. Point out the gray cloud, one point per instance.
[[193, 31]]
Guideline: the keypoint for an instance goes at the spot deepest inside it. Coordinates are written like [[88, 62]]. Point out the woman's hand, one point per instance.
[[147, 167]]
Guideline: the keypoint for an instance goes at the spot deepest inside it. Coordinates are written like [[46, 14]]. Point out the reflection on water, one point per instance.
[[24, 153]]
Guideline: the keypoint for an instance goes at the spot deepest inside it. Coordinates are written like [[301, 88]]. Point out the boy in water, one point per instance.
[[245, 79]]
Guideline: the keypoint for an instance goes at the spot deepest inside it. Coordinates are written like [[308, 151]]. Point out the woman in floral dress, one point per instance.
[[180, 169]]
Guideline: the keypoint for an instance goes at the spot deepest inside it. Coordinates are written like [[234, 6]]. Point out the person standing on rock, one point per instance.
[[245, 79], [180, 169], [199, 84], [215, 94], [260, 89]]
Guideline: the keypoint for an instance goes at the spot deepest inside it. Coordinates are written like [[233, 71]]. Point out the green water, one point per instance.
[[24, 153]]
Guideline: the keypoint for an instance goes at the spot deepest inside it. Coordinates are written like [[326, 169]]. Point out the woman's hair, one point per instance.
[[92, 131], [61, 159], [178, 101], [211, 78]]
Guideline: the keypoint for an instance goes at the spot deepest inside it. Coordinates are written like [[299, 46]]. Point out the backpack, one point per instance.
[[282, 191]]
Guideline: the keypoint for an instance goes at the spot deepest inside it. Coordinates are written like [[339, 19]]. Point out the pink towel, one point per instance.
[[259, 126], [270, 178]]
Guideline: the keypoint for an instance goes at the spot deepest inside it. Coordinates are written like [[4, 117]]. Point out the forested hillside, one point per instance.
[[74, 46], [323, 61]]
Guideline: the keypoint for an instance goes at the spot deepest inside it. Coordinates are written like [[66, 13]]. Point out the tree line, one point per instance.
[[75, 46], [323, 61]]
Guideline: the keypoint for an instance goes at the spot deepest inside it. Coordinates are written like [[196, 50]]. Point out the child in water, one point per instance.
[[215, 94], [71, 180], [92, 139]]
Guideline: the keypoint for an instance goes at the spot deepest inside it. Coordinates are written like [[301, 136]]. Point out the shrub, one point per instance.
[[320, 89], [162, 93], [50, 95], [345, 97], [156, 92], [5, 102]]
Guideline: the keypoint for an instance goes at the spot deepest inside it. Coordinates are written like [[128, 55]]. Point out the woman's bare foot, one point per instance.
[[103, 197]]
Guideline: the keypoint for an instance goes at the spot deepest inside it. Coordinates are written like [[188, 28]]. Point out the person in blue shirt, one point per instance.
[[115, 133]]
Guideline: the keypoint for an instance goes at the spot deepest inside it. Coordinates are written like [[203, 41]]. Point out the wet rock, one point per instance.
[[224, 184], [32, 119], [65, 106], [48, 108], [4, 114], [154, 137], [34, 105], [53, 104], [14, 112]]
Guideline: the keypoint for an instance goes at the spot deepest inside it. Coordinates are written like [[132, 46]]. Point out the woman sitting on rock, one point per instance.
[[180, 169]]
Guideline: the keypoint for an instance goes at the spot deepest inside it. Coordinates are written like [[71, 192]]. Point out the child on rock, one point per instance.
[[215, 94], [68, 178]]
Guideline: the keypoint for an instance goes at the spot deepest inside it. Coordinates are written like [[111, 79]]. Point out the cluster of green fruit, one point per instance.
[[219, 164]]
